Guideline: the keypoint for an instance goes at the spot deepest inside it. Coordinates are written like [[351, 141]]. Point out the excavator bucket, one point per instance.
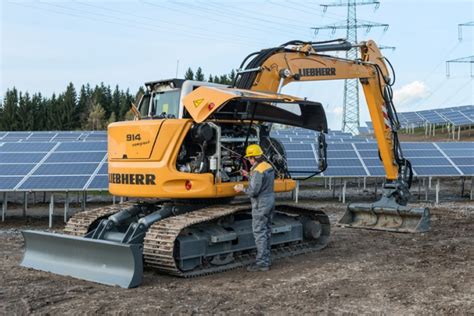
[[387, 217], [94, 260]]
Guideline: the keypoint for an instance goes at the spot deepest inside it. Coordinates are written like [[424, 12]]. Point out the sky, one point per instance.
[[47, 44]]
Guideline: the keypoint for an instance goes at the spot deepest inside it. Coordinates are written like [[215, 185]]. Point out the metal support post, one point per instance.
[[330, 183], [121, 200], [113, 199], [437, 191], [463, 180], [4, 205], [365, 184], [84, 198], [459, 132], [51, 210], [344, 192], [472, 180], [419, 189], [334, 189], [297, 191], [25, 203], [376, 187], [429, 182], [426, 190], [66, 207]]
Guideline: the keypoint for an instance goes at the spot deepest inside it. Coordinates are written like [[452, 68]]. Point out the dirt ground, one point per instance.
[[360, 271]]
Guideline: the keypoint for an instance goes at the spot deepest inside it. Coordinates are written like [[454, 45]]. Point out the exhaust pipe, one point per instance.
[[99, 261]]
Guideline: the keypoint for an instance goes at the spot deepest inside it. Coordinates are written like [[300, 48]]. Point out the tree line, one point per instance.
[[90, 108]]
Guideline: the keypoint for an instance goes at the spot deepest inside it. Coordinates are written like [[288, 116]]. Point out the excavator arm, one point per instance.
[[271, 69]]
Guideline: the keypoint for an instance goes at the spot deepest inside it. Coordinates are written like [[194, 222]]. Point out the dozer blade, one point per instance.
[[94, 260], [396, 218]]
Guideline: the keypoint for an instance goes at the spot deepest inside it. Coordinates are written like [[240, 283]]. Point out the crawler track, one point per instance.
[[79, 224], [159, 244]]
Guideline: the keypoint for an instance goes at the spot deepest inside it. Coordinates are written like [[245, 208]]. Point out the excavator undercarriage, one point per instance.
[[108, 245]]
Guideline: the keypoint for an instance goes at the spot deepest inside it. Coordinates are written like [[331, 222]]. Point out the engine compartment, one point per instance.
[[219, 148]]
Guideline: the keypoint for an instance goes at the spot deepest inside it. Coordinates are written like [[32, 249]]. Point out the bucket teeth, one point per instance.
[[388, 218]]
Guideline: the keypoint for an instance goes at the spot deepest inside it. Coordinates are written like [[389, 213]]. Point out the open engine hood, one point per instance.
[[237, 104]]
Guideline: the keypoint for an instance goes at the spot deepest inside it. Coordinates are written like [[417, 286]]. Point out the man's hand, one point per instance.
[[239, 188], [244, 173]]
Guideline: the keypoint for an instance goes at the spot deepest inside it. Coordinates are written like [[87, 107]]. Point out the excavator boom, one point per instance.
[[271, 69]]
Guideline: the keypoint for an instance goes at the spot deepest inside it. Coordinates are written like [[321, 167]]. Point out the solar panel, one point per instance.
[[99, 183], [15, 169], [463, 161], [27, 147], [467, 170], [344, 163], [21, 157], [340, 147], [422, 153], [9, 183], [436, 171], [418, 146], [76, 157], [376, 171], [460, 153], [92, 146], [372, 162], [54, 183], [457, 145], [297, 147], [302, 163], [300, 154], [66, 169], [341, 154], [103, 169], [369, 153], [366, 146], [457, 118], [430, 162], [342, 171]]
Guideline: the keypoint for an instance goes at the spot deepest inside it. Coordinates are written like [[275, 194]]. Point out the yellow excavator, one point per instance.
[[182, 155]]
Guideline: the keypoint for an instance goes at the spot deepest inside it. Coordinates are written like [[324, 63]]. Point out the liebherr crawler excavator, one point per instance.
[[182, 155]]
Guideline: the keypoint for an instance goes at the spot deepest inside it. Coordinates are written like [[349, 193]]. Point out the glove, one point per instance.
[[238, 187]]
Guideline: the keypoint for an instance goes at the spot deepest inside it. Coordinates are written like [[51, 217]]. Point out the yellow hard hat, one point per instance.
[[253, 150]]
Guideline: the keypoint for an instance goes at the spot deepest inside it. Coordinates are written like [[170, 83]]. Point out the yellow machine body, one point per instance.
[[146, 167]]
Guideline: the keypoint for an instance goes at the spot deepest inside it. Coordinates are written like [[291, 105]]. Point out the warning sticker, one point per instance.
[[198, 102]]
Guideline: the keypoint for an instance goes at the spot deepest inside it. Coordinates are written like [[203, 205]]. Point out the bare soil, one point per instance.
[[361, 271]]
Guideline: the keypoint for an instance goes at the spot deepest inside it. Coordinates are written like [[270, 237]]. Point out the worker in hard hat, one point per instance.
[[262, 196]]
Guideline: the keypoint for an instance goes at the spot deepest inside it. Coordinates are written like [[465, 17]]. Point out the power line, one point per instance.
[[351, 110]]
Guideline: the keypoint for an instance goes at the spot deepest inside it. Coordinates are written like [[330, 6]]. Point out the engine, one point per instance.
[[219, 149]]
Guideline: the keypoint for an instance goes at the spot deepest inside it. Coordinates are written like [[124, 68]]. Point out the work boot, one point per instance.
[[257, 268]]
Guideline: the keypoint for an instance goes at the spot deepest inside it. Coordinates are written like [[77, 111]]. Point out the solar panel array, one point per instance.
[[361, 159], [457, 116], [39, 162], [53, 166]]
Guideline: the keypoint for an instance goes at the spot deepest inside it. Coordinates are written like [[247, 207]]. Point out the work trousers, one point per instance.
[[263, 208]]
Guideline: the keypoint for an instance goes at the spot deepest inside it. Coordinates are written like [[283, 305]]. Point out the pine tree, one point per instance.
[[26, 113], [210, 79], [199, 76], [116, 101], [189, 75], [68, 108], [83, 105], [10, 118], [96, 119], [232, 76]]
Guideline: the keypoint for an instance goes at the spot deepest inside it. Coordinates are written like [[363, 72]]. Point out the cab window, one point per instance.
[[166, 104]]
